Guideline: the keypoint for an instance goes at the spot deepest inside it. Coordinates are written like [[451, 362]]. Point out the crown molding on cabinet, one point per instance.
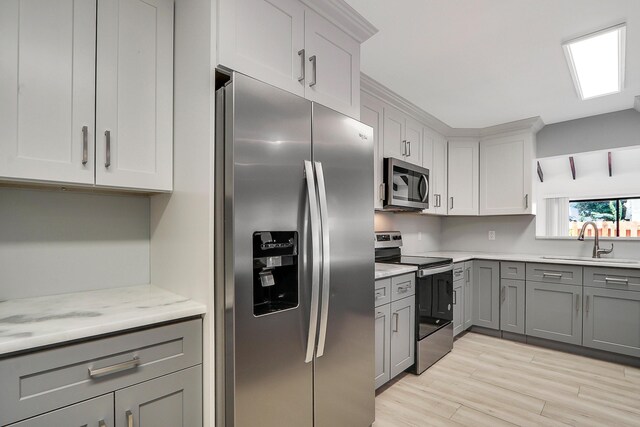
[[636, 105], [346, 17], [532, 124], [374, 88]]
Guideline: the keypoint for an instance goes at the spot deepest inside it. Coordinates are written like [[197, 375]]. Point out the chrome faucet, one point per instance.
[[596, 244]]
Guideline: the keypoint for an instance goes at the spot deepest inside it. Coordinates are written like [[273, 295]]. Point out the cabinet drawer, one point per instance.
[[512, 270], [458, 271], [42, 381], [403, 286], [612, 278], [383, 292], [555, 273]]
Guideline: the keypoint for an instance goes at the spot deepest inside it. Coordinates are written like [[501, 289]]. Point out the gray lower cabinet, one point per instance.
[[383, 344], [468, 295], [403, 339], [486, 294], [512, 305], [96, 412], [554, 311], [458, 306], [174, 400], [612, 320], [146, 368]]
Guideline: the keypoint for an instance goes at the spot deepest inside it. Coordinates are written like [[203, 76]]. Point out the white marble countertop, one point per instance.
[[29, 323], [387, 270], [547, 259]]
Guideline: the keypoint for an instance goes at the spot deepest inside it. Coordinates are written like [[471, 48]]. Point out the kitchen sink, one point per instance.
[[594, 260]]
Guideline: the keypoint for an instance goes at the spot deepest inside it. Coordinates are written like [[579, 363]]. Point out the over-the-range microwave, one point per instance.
[[406, 185]]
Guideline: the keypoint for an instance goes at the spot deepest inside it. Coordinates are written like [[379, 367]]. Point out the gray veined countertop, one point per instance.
[[387, 270], [30, 323]]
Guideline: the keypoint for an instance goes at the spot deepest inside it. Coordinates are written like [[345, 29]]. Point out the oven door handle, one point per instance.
[[431, 271]]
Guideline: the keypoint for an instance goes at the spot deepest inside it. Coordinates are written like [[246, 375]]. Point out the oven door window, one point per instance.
[[409, 185], [435, 303]]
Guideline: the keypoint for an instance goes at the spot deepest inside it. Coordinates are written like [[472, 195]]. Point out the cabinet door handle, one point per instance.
[[503, 294], [129, 364], [101, 423], [404, 147], [313, 70], [552, 275], [455, 297], [468, 275], [129, 418], [526, 201], [451, 203], [586, 305], [378, 295], [107, 136], [616, 280], [301, 55], [85, 145], [382, 191], [409, 145], [577, 304], [395, 321]]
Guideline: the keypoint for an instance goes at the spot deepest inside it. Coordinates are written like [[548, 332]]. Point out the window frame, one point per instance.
[[618, 210]]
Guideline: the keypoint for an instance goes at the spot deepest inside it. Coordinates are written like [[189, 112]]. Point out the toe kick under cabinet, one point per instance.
[[150, 377]]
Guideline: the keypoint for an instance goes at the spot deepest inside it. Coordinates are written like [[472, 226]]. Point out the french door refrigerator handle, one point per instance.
[[326, 258], [315, 253]]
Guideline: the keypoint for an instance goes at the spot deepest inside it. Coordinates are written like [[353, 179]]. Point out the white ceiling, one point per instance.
[[485, 62]]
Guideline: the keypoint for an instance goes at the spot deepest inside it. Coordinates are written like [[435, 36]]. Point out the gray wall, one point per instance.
[[517, 234], [54, 242], [612, 130], [411, 225]]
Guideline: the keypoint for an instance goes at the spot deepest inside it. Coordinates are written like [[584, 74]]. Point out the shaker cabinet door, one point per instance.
[[134, 116], [393, 134], [486, 294], [458, 306], [383, 344], [47, 86], [468, 294], [371, 114], [262, 39], [174, 400], [512, 305], [403, 340], [463, 175], [332, 66], [96, 412], [554, 312]]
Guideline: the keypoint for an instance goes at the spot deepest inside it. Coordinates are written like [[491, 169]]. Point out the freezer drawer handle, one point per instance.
[[326, 259], [315, 265], [129, 364]]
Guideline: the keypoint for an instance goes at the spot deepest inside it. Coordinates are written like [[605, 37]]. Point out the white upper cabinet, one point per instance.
[[134, 109], [264, 39], [310, 48], [402, 136], [86, 95], [463, 176], [371, 113], [506, 174], [434, 158], [332, 57], [47, 69]]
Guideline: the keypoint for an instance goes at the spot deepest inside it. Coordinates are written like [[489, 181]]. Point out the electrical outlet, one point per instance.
[[492, 235]]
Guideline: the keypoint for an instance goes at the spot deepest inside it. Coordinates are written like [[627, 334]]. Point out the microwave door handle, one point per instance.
[[326, 259], [315, 255], [423, 178]]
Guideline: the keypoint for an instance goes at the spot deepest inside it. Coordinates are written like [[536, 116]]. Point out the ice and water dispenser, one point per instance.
[[275, 271]]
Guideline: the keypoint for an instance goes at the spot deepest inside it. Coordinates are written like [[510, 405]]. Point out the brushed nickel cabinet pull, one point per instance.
[[107, 161], [526, 201], [552, 275], [314, 71], [455, 297], [396, 317], [451, 203], [85, 145], [409, 144], [586, 305], [616, 280], [129, 364], [129, 418], [577, 304], [301, 55], [101, 423]]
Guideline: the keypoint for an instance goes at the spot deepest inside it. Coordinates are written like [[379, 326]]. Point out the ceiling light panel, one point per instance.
[[597, 62]]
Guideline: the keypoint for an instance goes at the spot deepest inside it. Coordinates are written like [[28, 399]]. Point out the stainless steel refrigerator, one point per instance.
[[294, 261]]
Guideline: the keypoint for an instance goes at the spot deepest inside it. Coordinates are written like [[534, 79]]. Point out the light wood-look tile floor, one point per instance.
[[488, 381]]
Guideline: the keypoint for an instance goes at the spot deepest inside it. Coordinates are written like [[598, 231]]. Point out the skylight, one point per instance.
[[596, 62]]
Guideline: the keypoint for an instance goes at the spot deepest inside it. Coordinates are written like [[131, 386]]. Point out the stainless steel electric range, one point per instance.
[[434, 298]]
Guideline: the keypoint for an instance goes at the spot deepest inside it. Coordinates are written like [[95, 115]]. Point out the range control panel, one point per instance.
[[388, 239]]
